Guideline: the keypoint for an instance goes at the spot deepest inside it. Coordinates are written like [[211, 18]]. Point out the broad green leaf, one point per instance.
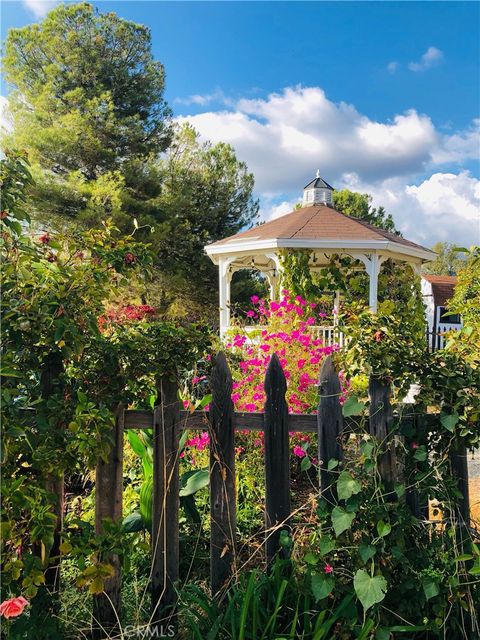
[[383, 528], [305, 464], [382, 634], [399, 489], [367, 447], [366, 551], [352, 407], [146, 502], [136, 443], [347, 485], [326, 545], [341, 520], [464, 557], [449, 420], [332, 464], [420, 454], [369, 589], [193, 481], [133, 523], [322, 585], [310, 558], [430, 588]]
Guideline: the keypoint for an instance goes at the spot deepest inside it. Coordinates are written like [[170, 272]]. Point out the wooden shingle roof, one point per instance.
[[318, 222]]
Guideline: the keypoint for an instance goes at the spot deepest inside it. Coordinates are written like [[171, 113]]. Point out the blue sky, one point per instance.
[[382, 97]]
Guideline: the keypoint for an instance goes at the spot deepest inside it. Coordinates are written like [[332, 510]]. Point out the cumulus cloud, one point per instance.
[[393, 66], [40, 8], [445, 206], [286, 136], [431, 58]]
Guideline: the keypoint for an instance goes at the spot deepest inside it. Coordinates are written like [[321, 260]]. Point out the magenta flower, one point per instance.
[[328, 568], [299, 452]]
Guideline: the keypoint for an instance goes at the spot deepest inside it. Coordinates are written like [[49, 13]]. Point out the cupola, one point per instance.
[[317, 192]]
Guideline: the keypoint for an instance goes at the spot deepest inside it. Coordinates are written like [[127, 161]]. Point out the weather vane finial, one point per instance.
[[318, 173]]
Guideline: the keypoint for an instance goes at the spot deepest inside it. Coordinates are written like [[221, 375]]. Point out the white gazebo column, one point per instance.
[[373, 262], [224, 280], [273, 277]]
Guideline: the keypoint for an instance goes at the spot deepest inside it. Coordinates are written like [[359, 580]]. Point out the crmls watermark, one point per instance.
[[146, 632]]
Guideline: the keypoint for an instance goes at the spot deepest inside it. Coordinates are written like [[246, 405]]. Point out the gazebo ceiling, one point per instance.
[[317, 227]]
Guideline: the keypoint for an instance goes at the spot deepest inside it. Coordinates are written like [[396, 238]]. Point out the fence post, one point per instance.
[[223, 509], [380, 423], [108, 504], [277, 458], [329, 426], [165, 543]]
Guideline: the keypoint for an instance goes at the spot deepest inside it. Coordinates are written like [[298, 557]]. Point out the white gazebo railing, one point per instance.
[[330, 335]]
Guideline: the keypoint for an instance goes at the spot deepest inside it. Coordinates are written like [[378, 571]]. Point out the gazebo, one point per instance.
[[318, 227]]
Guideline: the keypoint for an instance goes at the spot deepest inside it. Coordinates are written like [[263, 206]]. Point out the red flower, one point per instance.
[[378, 336], [45, 239], [414, 445], [129, 258], [3, 214], [328, 568], [13, 607]]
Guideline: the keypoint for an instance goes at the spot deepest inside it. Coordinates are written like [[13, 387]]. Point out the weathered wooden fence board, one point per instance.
[[330, 427], [167, 420], [223, 507], [277, 458], [380, 424], [108, 504], [165, 544]]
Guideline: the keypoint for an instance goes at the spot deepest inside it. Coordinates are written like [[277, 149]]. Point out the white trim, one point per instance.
[[335, 246]]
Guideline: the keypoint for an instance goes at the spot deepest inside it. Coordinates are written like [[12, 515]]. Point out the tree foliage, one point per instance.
[[359, 205], [448, 261], [88, 95]]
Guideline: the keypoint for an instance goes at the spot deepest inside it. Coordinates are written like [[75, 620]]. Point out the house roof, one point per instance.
[[443, 288], [318, 183], [320, 224]]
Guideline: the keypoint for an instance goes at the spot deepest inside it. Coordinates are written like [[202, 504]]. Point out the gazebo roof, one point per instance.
[[318, 227]]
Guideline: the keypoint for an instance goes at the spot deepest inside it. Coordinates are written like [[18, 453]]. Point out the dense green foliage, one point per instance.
[[63, 373], [449, 260], [359, 205], [87, 104]]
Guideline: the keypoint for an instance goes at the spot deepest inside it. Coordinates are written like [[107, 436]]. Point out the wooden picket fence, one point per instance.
[[168, 419]]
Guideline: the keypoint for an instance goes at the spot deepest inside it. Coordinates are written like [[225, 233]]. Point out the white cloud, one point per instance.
[[431, 58], [40, 8], [286, 136], [460, 146], [445, 206], [393, 66], [270, 210], [5, 118], [205, 99]]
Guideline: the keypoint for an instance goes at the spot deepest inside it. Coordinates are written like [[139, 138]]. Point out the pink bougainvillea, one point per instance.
[[285, 329]]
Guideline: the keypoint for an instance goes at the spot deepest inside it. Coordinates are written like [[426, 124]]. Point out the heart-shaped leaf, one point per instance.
[[352, 407], [322, 585], [383, 528], [369, 589], [347, 485], [341, 520], [449, 420]]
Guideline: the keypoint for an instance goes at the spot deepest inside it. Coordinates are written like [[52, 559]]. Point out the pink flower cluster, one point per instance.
[[286, 331]]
